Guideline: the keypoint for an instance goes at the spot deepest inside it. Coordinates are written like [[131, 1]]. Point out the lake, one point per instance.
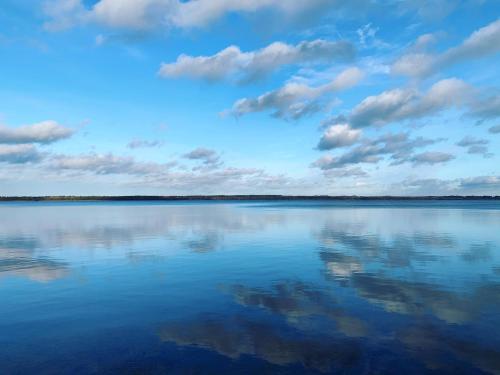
[[292, 287]]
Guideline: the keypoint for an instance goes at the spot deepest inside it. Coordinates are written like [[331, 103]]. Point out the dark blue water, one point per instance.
[[250, 287]]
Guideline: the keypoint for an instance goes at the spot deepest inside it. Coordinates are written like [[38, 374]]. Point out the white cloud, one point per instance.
[[485, 108], [133, 14], [210, 158], [147, 14], [345, 173], [428, 9], [366, 32], [229, 179], [43, 132], [480, 150], [399, 147], [105, 164], [19, 154], [425, 186], [414, 64], [405, 104], [494, 129], [481, 43], [431, 157], [338, 135], [481, 182], [475, 146], [368, 39], [208, 177], [231, 62], [471, 141], [435, 186], [424, 41], [63, 14], [100, 40], [295, 100], [201, 12], [141, 143]]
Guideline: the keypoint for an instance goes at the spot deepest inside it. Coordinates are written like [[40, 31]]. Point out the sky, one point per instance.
[[338, 97]]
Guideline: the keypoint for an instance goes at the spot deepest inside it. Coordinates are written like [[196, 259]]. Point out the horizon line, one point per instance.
[[221, 197]]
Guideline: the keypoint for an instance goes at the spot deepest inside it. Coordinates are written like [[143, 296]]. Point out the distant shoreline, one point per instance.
[[67, 198]]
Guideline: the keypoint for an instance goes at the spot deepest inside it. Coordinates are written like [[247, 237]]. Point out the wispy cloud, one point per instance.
[[232, 63], [142, 143]]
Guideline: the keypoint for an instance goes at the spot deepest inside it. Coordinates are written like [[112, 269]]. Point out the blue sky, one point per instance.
[[253, 96]]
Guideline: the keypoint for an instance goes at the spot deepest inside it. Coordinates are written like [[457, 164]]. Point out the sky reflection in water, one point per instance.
[[249, 287]]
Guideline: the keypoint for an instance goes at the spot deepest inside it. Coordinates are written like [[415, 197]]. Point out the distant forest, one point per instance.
[[241, 198]]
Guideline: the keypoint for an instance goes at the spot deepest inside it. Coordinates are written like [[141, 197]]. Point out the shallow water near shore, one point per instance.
[[250, 287]]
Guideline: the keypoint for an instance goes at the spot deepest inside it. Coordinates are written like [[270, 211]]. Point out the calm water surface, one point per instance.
[[249, 287]]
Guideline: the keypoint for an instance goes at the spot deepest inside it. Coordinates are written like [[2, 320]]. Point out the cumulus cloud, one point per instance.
[[228, 179], [413, 64], [209, 177], [134, 15], [231, 62], [494, 129], [143, 15], [202, 12], [481, 182], [338, 135], [485, 108], [430, 186], [345, 173], [475, 146], [481, 43], [424, 41], [64, 14], [295, 100], [404, 104], [19, 154], [431, 158], [43, 132], [407, 104], [209, 158], [399, 147], [468, 185], [148, 14], [471, 141], [106, 164], [480, 150], [141, 143]]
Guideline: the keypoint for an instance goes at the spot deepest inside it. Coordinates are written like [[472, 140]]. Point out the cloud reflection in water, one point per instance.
[[297, 288]]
